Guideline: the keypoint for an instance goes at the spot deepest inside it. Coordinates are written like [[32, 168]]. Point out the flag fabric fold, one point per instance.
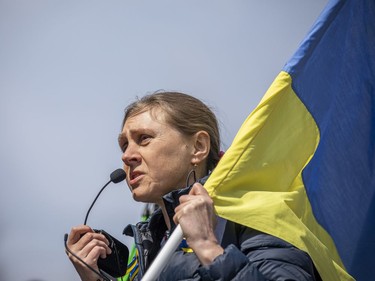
[[301, 166]]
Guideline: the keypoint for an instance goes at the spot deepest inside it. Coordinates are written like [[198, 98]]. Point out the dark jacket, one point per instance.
[[248, 253]]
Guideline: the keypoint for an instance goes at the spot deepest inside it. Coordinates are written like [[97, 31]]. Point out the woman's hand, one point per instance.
[[89, 246], [196, 216]]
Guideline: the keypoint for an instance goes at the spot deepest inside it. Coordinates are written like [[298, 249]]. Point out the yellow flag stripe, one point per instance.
[[258, 181]]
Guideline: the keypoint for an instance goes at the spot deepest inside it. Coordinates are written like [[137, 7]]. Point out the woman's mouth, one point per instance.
[[135, 177]]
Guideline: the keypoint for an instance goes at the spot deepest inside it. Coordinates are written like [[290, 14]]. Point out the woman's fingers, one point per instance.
[[76, 233], [93, 241], [96, 248], [87, 245], [195, 208], [197, 218], [196, 200]]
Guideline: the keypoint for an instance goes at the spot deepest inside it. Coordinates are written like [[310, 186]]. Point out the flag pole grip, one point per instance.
[[163, 257]]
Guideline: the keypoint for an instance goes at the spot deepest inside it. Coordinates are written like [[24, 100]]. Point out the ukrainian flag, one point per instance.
[[302, 166]]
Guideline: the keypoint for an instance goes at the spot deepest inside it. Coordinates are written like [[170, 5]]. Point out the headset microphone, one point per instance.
[[116, 176], [116, 263]]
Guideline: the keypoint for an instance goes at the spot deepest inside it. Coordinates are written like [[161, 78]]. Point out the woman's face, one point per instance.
[[157, 158]]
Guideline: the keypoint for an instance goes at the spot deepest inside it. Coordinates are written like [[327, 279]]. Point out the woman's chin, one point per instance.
[[139, 197], [145, 198], [136, 197]]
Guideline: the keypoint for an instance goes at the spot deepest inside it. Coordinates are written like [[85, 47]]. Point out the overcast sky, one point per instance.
[[67, 71]]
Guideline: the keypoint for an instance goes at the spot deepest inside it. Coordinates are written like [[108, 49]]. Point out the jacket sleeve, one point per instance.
[[260, 257]]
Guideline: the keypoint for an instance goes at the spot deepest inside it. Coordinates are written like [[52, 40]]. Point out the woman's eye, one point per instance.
[[124, 147], [144, 139]]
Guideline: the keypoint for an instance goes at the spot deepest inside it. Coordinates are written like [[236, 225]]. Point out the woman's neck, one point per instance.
[[165, 214]]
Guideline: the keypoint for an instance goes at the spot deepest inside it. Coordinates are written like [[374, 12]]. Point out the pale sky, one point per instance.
[[67, 71]]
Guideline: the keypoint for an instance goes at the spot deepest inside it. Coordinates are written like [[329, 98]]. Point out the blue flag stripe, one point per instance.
[[333, 73]]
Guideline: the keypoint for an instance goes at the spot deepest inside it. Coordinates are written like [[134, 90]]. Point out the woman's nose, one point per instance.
[[130, 155]]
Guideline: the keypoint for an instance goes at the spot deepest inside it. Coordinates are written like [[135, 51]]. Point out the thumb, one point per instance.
[[198, 189]]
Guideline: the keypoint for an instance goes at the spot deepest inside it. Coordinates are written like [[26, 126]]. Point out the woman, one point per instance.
[[168, 141]]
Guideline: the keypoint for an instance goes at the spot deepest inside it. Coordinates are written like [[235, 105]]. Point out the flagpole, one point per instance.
[[162, 258]]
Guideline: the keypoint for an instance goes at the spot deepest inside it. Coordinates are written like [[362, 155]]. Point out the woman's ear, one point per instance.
[[201, 147]]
